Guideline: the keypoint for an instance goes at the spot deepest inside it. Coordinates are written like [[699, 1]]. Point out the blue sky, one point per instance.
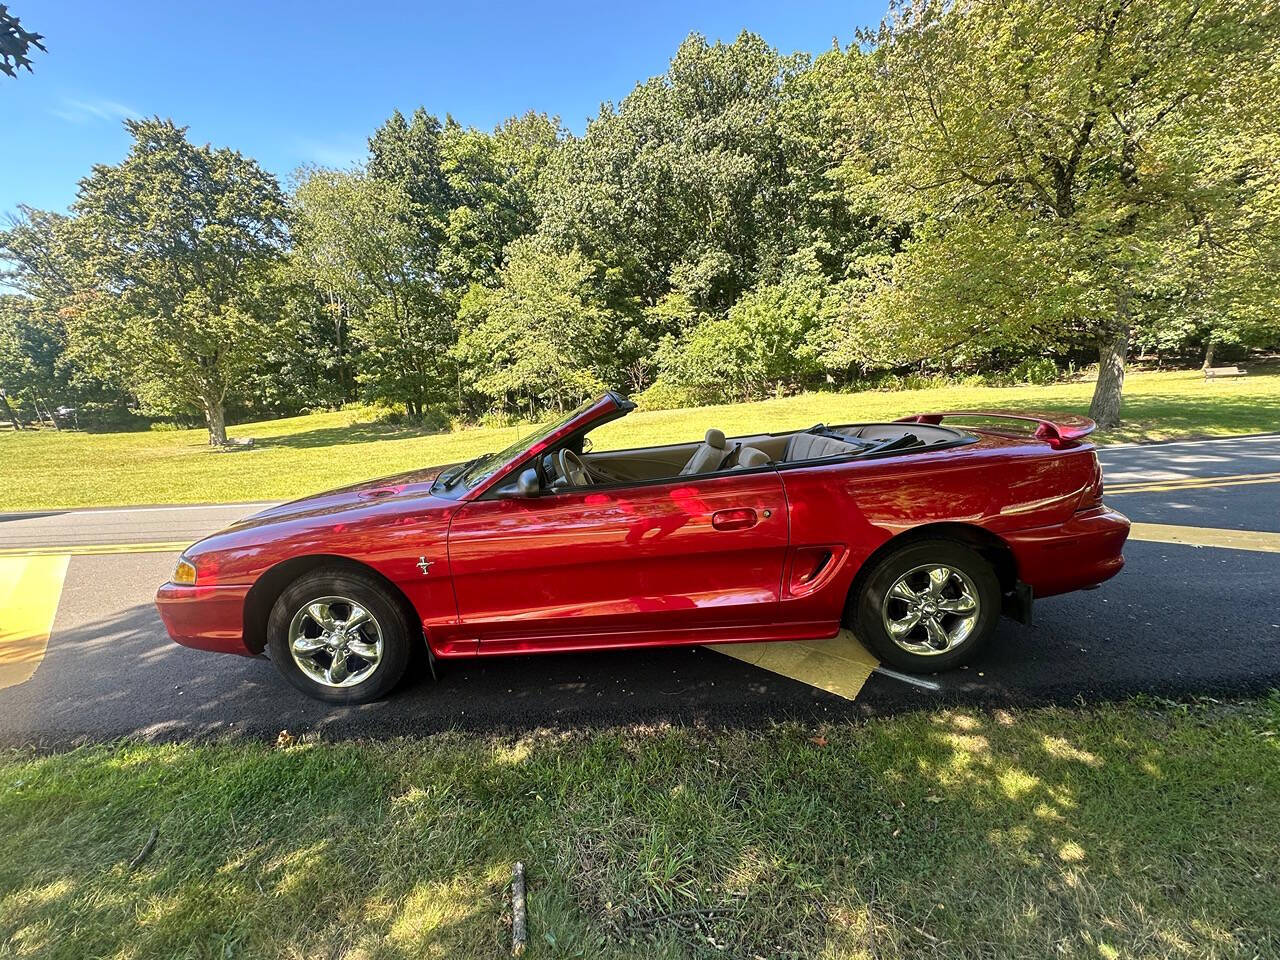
[[307, 82]]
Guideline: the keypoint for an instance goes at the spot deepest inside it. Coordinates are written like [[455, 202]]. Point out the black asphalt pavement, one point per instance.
[[1179, 621]]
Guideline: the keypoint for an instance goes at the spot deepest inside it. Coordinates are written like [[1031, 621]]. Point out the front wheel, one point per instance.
[[928, 607], [339, 636]]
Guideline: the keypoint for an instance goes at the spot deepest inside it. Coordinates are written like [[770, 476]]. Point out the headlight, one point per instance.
[[185, 573]]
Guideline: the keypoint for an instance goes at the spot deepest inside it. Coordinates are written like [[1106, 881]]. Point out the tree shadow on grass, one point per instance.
[[353, 433], [1113, 832]]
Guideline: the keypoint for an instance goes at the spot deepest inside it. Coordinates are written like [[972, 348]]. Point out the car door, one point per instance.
[[599, 565]]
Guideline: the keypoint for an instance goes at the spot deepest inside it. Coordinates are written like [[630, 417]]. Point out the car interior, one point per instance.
[[575, 466]]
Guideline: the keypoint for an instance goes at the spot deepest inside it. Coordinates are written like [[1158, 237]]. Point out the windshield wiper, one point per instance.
[[446, 479]]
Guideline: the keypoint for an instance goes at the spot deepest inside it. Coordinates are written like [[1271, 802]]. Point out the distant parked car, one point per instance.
[[917, 534]]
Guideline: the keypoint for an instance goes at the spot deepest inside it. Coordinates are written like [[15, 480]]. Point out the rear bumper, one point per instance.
[[206, 618], [1083, 552]]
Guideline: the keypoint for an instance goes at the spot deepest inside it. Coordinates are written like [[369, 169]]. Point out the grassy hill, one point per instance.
[[301, 455]]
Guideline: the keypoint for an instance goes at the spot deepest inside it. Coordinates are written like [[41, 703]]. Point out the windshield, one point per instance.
[[476, 471]]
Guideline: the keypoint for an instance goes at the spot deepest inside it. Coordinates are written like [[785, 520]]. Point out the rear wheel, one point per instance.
[[339, 636], [929, 606]]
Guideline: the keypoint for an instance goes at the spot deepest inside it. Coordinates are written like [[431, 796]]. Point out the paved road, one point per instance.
[[1179, 620], [117, 525]]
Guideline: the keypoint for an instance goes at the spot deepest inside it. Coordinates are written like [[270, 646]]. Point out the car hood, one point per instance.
[[415, 484]]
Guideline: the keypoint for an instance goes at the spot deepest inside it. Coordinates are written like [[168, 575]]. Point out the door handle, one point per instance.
[[740, 518]]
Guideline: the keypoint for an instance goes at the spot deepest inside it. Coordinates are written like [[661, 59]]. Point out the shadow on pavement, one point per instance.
[[1181, 621]]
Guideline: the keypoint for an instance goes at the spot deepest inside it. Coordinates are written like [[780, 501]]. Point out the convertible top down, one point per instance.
[[918, 534]]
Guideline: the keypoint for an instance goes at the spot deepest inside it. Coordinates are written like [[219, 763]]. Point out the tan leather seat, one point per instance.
[[813, 446], [749, 457], [709, 455]]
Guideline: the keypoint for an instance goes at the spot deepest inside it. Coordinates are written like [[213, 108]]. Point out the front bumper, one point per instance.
[[1083, 552], [206, 618]]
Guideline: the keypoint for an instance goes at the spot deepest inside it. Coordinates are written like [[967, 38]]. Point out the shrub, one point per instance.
[[762, 347]]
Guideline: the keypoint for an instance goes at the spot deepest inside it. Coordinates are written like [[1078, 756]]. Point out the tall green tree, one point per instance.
[[406, 153], [355, 234], [42, 369], [493, 179], [544, 337], [681, 188], [1046, 143], [177, 243]]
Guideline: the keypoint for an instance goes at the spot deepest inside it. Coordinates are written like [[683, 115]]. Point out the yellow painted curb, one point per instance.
[[1206, 537], [30, 588], [840, 665]]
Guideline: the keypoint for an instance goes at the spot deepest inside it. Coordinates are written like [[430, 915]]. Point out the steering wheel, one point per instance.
[[571, 468]]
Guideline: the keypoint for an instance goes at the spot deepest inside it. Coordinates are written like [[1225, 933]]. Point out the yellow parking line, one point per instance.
[[30, 588], [840, 665], [1191, 483], [96, 549], [1206, 537]]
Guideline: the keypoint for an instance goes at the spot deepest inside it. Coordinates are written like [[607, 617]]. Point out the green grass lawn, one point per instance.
[[1129, 830], [302, 455]]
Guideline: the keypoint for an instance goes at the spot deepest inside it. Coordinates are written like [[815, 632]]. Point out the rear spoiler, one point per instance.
[[1060, 433]]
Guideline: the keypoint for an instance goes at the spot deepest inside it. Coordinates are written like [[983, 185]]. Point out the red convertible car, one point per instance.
[[916, 534]]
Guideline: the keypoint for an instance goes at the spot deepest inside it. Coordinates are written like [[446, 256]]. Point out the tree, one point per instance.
[[407, 154], [762, 345], [681, 188], [178, 242], [355, 235], [544, 337], [493, 179], [38, 247], [42, 369], [16, 43], [1062, 133], [310, 368]]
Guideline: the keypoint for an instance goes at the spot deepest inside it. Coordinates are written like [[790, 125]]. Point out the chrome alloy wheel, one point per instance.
[[335, 641], [931, 609]]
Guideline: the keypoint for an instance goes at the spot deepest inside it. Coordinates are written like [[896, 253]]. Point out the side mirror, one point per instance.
[[525, 485]]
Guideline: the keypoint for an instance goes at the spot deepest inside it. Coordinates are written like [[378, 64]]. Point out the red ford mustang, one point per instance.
[[917, 534]]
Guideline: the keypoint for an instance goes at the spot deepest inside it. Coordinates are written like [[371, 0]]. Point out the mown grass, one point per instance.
[[301, 455], [1134, 830]]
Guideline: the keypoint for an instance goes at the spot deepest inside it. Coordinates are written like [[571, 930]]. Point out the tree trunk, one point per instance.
[[47, 414], [1109, 392], [1208, 355], [216, 417], [1113, 340], [8, 411]]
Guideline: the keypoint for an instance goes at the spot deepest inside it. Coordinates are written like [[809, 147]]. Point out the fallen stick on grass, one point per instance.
[[146, 849], [519, 926]]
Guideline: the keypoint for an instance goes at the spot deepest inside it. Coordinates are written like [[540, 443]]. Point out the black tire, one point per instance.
[[868, 606], [389, 618]]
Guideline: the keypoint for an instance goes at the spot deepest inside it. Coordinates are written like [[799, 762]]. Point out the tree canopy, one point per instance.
[[970, 189], [1055, 156], [173, 249]]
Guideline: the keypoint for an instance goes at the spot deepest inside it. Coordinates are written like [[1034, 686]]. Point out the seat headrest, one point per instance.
[[715, 438], [749, 457]]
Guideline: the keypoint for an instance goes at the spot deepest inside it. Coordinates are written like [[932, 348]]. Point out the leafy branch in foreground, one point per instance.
[[16, 43]]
